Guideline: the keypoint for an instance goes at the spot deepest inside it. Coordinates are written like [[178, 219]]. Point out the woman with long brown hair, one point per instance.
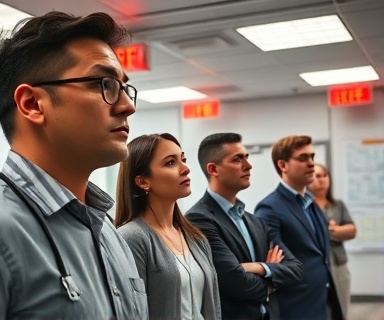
[[172, 256], [341, 228]]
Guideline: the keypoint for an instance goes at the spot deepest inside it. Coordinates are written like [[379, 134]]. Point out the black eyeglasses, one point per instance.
[[110, 87], [304, 157]]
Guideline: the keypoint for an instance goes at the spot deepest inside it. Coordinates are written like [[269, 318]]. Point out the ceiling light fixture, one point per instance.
[[297, 33], [170, 95], [339, 76]]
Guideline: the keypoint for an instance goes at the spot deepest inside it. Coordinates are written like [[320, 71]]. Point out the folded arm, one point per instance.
[[289, 271], [234, 280], [275, 255], [341, 233]]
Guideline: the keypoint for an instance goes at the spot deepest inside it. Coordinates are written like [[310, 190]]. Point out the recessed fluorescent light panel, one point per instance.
[[297, 33], [10, 17], [170, 95], [339, 76]]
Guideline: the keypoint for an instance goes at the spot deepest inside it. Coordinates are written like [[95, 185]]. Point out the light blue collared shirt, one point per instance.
[[305, 202], [235, 213]]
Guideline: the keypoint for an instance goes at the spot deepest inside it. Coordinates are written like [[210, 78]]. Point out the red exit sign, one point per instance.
[[134, 57], [204, 109], [351, 95]]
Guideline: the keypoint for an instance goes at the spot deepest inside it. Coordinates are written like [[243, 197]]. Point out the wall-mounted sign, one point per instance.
[[134, 57], [350, 95], [202, 109]]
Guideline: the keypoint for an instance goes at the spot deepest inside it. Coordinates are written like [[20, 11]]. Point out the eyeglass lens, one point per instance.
[[111, 90]]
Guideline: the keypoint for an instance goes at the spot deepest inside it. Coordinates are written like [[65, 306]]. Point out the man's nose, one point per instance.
[[247, 164], [125, 105]]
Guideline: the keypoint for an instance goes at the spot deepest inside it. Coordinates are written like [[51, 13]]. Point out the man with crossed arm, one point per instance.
[[249, 264]]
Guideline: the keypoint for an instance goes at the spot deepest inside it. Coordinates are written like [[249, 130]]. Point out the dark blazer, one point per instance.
[[288, 222], [242, 293]]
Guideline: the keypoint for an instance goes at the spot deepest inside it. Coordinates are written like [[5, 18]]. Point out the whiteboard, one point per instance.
[[364, 172], [364, 192], [264, 178]]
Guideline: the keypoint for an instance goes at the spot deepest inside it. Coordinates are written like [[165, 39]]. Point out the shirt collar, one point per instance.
[[306, 200], [48, 194], [226, 205]]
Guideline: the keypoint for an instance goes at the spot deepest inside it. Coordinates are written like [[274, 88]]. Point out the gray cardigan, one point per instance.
[[158, 268]]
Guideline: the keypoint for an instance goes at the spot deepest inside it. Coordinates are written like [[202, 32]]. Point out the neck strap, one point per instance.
[[66, 278]]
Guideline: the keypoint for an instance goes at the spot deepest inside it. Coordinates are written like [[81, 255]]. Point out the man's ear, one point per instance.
[[282, 165], [29, 104], [142, 183], [212, 169]]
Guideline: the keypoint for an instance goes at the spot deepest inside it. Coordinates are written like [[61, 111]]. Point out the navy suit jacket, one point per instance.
[[288, 222], [242, 293]]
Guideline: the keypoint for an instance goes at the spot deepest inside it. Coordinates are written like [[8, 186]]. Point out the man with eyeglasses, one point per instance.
[[293, 217], [63, 109]]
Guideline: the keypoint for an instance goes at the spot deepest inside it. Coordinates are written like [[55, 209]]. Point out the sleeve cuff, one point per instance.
[[268, 272]]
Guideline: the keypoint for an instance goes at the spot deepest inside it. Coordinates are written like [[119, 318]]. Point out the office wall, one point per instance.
[[263, 122], [260, 122]]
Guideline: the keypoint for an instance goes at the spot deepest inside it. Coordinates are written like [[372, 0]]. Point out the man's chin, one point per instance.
[[245, 186], [114, 157], [310, 181]]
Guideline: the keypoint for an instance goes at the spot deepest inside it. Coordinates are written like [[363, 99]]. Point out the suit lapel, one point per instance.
[[297, 211], [322, 227], [227, 224]]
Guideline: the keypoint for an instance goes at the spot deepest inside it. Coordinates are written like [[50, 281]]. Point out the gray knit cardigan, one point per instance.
[[158, 268]]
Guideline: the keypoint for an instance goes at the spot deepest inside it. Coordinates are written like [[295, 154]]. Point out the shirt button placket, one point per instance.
[[115, 291]]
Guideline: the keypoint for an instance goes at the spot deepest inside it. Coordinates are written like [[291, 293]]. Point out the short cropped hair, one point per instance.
[[211, 149], [36, 51], [284, 148]]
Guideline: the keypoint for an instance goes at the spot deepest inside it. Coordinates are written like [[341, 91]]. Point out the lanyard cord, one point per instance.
[[66, 278]]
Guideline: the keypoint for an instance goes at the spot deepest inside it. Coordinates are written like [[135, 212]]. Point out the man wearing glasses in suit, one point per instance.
[[299, 223]]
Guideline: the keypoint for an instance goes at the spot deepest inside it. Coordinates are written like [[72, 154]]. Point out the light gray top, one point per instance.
[[192, 286], [157, 266], [100, 262]]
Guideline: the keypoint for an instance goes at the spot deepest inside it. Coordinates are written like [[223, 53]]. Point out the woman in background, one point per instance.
[[172, 256], [341, 228]]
